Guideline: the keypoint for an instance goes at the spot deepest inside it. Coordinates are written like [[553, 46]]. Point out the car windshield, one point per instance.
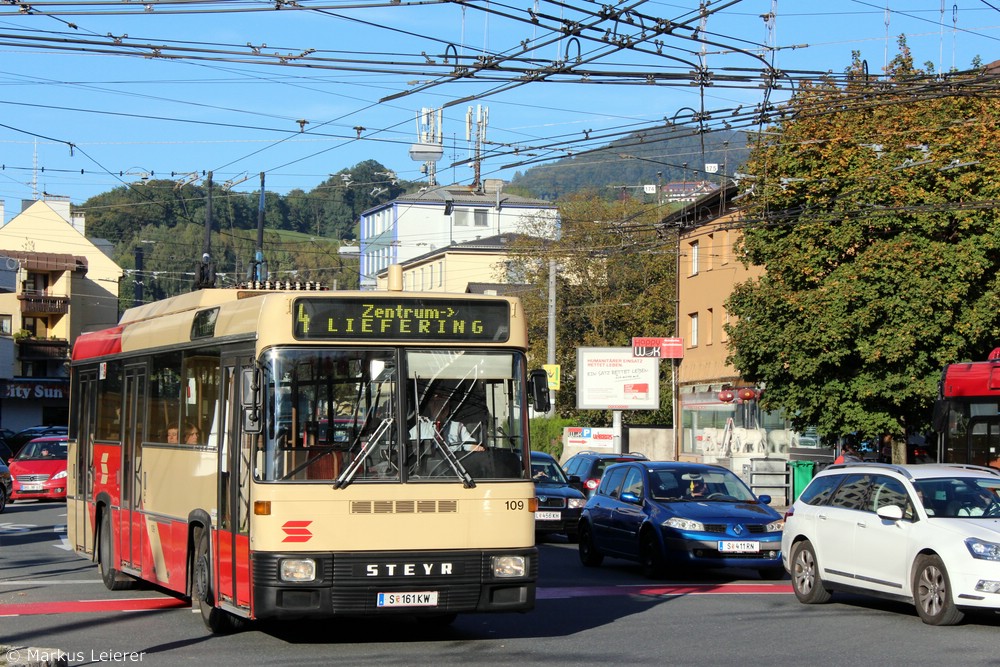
[[43, 450], [962, 497], [699, 486], [547, 470]]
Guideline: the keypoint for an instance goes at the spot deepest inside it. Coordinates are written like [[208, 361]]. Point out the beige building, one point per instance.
[[720, 417], [55, 283], [419, 224], [473, 266]]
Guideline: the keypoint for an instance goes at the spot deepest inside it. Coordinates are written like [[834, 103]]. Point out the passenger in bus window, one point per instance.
[[192, 436], [172, 435]]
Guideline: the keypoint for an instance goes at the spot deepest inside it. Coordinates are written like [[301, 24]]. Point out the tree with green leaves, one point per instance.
[[873, 208], [614, 280]]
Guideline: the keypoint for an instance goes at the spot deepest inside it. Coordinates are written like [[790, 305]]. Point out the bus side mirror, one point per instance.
[[249, 399], [539, 381], [939, 420]]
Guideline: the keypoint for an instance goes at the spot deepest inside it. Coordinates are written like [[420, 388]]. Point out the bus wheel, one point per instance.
[[219, 621], [113, 579]]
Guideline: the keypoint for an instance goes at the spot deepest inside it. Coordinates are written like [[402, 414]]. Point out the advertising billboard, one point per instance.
[[612, 378]]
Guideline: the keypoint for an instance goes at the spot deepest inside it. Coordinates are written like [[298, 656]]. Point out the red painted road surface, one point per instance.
[[143, 604]]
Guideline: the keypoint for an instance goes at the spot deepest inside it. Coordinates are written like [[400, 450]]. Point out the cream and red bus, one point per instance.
[[259, 451]]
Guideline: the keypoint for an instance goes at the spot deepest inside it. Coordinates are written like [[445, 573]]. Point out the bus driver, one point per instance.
[[436, 418]]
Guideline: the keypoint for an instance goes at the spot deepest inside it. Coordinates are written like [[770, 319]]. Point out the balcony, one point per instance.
[[42, 349], [42, 304]]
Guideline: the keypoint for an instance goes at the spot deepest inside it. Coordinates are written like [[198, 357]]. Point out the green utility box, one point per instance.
[[802, 474]]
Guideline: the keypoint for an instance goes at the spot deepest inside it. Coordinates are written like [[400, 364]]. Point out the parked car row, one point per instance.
[[656, 513], [927, 534]]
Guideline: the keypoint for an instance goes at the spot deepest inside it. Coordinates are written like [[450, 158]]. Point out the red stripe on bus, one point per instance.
[[89, 606], [98, 343]]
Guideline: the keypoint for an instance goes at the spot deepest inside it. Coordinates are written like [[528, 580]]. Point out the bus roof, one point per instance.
[[241, 313], [974, 378]]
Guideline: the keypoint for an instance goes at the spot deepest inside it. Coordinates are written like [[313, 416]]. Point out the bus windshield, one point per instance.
[[353, 415]]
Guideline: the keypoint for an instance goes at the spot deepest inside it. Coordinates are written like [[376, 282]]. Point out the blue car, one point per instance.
[[667, 513]]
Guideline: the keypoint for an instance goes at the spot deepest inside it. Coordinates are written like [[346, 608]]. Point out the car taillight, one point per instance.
[[789, 512], [591, 484]]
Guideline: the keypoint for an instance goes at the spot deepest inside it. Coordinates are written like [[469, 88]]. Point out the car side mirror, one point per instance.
[[764, 499], [629, 497], [890, 512]]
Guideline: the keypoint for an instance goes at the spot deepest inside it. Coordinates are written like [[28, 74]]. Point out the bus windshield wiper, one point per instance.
[[366, 449], [453, 460]]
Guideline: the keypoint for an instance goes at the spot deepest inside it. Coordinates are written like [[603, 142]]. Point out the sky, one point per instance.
[[95, 96]]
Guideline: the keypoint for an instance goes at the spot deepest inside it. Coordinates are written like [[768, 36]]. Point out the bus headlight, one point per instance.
[[298, 569], [507, 567]]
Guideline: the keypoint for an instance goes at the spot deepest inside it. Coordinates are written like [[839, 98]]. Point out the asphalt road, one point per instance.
[[50, 597]]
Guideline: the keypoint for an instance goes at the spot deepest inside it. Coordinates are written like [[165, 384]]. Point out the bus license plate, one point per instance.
[[416, 599], [548, 516], [739, 547], [31, 487]]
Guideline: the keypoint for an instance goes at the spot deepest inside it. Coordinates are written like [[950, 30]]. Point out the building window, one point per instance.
[[710, 248], [482, 218], [727, 247], [440, 274], [461, 218], [693, 254], [709, 325], [723, 336], [693, 330], [36, 326], [34, 369], [5, 325]]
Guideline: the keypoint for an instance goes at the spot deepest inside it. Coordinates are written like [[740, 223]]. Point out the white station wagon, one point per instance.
[[927, 534]]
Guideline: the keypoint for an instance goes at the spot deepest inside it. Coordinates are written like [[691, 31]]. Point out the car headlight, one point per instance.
[[576, 503], [983, 549], [59, 475], [684, 524], [775, 526]]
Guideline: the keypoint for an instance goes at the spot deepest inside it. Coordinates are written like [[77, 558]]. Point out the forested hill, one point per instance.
[[634, 161]]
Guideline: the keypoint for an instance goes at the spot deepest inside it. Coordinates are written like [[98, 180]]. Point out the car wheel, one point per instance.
[[932, 592], [806, 580], [650, 556], [589, 555], [3, 499], [772, 573]]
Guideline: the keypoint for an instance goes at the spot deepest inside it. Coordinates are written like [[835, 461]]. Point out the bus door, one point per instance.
[[82, 531], [132, 518], [232, 553], [983, 440]]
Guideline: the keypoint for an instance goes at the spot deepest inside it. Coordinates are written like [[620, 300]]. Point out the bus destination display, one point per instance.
[[429, 320]]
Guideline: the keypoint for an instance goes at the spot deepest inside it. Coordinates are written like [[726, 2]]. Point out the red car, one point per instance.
[[39, 470]]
